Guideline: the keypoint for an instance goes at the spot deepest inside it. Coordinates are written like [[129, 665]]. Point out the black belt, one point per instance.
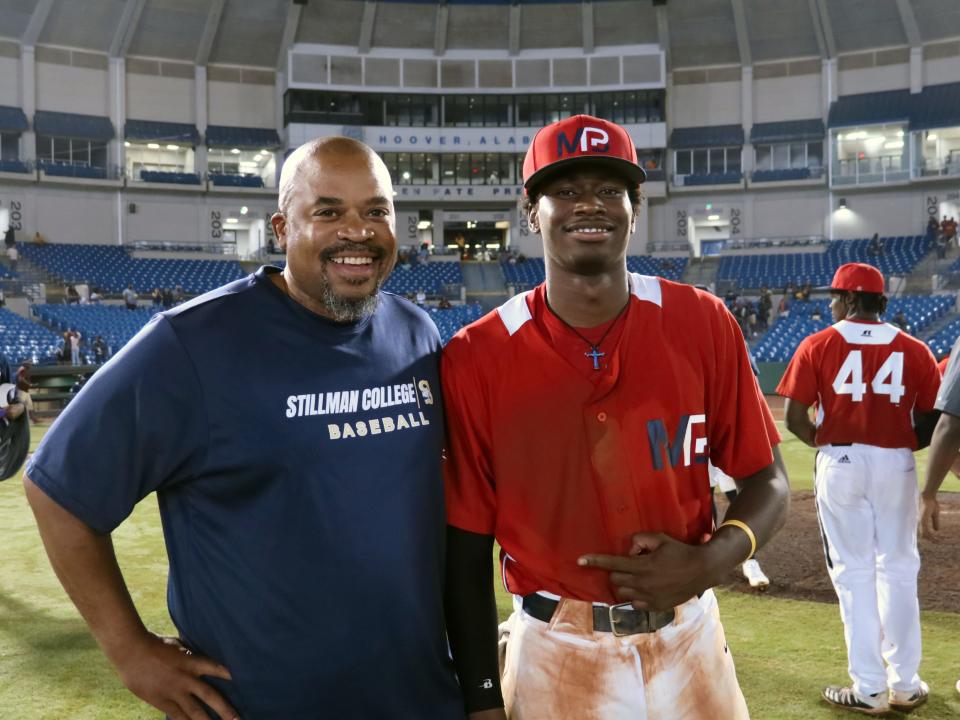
[[619, 619]]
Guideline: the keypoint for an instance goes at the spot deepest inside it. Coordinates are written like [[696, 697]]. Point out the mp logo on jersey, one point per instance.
[[692, 450], [589, 139]]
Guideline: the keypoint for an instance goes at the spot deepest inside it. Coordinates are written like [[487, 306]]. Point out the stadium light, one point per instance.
[[126, 143], [424, 225], [235, 151], [153, 146], [173, 147], [243, 210], [842, 205]]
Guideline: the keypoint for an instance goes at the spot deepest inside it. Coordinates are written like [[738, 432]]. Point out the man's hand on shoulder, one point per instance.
[[163, 673], [660, 573]]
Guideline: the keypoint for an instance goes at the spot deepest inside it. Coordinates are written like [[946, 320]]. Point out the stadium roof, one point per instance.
[[695, 33]]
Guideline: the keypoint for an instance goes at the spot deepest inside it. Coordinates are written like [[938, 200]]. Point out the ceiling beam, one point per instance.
[[909, 20], [289, 33], [586, 9], [821, 19], [743, 38], [663, 33], [210, 32], [441, 20], [126, 28], [514, 32], [37, 20], [366, 26], [817, 30]]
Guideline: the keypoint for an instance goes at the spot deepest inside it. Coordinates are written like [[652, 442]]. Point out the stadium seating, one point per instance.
[[74, 171], [176, 178], [899, 256], [781, 175], [22, 340], [450, 320], [110, 268], [116, 324], [248, 181], [712, 179], [14, 166], [942, 341], [431, 277], [780, 342], [531, 272]]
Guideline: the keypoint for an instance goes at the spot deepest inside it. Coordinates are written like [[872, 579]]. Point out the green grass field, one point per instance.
[[50, 668]]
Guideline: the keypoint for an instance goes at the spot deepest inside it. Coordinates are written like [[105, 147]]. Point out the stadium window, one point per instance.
[[764, 157], [397, 110], [684, 163], [781, 156], [551, 110], [523, 110], [798, 155], [9, 146], [815, 154], [733, 160], [717, 163], [700, 165], [448, 169]]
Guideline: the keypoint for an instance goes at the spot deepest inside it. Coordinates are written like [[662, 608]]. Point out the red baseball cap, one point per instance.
[[858, 277], [578, 138]]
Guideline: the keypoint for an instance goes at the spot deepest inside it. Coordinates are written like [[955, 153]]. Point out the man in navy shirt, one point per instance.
[[291, 426]]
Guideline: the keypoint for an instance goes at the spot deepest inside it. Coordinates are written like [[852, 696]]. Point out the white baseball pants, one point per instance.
[[563, 670], [867, 501]]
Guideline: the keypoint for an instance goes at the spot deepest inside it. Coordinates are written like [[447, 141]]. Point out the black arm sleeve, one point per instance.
[[471, 610]]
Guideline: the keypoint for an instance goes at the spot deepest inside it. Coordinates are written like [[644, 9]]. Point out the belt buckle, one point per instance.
[[613, 622]]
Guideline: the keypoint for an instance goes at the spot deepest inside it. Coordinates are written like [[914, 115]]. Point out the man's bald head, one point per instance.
[[311, 156]]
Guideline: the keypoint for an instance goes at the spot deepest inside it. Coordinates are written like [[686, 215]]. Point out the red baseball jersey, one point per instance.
[[557, 463], [866, 379]]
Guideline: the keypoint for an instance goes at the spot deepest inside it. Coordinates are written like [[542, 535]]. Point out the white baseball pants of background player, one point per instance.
[[867, 500], [564, 669]]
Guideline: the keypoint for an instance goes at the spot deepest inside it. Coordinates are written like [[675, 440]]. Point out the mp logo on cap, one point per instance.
[[588, 138]]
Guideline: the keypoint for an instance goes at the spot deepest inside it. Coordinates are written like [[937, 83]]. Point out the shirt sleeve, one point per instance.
[[799, 382], [137, 426], [930, 382], [740, 442], [948, 398], [468, 477]]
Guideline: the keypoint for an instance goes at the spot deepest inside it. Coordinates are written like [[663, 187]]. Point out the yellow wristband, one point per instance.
[[746, 528]]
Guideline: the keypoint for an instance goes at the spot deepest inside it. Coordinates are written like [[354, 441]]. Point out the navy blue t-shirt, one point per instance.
[[297, 467]]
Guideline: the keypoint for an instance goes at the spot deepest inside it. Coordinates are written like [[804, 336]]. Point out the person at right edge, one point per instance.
[[872, 384], [944, 448], [581, 416]]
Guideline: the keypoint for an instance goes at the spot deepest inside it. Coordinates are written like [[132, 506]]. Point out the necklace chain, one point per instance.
[[594, 353]]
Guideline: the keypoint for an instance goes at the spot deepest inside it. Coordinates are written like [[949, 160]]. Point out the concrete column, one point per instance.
[[437, 238], [116, 79], [28, 99], [746, 117], [916, 69], [200, 100]]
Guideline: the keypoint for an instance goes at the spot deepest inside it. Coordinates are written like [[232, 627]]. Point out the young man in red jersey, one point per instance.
[[581, 416], [869, 381]]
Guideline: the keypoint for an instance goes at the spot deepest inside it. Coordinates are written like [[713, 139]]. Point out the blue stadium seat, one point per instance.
[[431, 277], [116, 324], [22, 340], [531, 272], [450, 320]]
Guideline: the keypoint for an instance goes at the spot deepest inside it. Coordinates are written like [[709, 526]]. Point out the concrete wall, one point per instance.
[[705, 104], [64, 88], [241, 105], [941, 70], [168, 99], [787, 98], [10, 81], [874, 79]]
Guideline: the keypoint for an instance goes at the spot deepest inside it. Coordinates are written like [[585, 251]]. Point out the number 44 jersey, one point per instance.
[[867, 381]]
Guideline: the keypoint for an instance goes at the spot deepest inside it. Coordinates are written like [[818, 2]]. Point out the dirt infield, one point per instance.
[[794, 562]]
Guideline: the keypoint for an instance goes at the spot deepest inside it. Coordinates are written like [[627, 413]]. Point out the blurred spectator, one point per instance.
[[875, 246], [38, 239], [178, 295], [900, 320], [73, 337], [9, 237], [805, 291], [783, 309], [24, 384], [95, 297], [764, 306], [3, 298], [421, 298], [166, 296], [949, 229], [933, 229], [816, 314], [730, 299], [100, 351], [13, 255], [157, 297], [130, 298], [73, 297], [444, 303]]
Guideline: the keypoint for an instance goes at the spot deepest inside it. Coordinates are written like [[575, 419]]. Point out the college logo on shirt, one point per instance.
[[684, 448], [345, 402]]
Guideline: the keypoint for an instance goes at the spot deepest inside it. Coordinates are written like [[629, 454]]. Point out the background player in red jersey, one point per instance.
[[581, 416], [868, 380]]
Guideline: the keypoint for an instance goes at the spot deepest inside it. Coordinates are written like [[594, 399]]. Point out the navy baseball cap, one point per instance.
[[576, 139]]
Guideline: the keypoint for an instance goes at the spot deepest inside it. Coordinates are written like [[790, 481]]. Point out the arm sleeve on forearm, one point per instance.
[[471, 611]]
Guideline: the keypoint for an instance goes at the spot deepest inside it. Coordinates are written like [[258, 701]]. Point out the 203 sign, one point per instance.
[[735, 221], [16, 215], [216, 225]]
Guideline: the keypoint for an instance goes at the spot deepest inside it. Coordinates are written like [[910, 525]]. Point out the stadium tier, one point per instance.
[[431, 277], [530, 272], [111, 268], [893, 255], [941, 343], [116, 324], [781, 341], [22, 340], [452, 319]]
